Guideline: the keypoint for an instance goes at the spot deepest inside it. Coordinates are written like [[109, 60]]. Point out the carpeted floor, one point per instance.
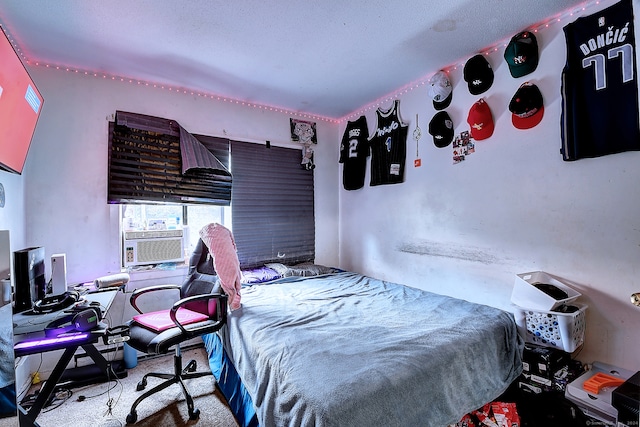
[[107, 404]]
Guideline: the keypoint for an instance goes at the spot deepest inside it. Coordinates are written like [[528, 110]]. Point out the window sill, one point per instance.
[[155, 275]]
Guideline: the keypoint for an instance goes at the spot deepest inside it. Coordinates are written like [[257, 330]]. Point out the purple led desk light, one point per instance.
[[40, 345]]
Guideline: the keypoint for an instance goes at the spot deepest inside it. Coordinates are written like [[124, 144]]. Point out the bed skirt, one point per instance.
[[229, 382]]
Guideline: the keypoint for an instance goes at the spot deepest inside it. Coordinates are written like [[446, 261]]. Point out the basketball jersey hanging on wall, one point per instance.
[[354, 150], [599, 85], [388, 147]]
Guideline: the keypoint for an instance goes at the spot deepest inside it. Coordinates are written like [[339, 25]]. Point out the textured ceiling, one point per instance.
[[326, 58]]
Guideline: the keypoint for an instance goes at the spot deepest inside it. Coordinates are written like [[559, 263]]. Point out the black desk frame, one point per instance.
[[28, 417]]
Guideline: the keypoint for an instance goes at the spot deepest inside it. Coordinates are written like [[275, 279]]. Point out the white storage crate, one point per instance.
[[564, 331], [525, 294]]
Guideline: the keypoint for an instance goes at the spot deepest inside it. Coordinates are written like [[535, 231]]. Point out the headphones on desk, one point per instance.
[[81, 321], [56, 302]]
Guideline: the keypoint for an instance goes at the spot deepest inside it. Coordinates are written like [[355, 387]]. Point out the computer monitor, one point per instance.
[[30, 283]]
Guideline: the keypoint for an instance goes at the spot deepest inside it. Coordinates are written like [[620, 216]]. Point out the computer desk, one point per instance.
[[30, 338]]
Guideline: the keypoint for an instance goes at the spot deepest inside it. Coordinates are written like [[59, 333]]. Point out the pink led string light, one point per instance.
[[183, 91], [369, 107], [448, 69]]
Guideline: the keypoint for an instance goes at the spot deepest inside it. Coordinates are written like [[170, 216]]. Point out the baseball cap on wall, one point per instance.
[[441, 128], [521, 54], [478, 74], [440, 90], [526, 106], [480, 120]]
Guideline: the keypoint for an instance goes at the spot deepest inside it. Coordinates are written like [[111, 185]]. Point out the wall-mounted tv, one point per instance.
[[20, 106]]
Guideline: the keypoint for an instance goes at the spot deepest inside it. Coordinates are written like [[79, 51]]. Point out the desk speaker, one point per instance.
[[58, 274]]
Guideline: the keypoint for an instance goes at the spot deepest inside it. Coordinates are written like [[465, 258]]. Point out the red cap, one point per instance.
[[480, 120], [526, 106]]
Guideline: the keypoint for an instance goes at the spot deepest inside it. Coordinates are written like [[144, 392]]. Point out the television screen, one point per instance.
[[20, 106]]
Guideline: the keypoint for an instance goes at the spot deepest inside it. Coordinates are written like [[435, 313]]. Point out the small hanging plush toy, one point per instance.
[[305, 133], [307, 157]]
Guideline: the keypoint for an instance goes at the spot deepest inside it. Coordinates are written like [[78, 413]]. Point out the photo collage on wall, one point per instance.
[[462, 147]]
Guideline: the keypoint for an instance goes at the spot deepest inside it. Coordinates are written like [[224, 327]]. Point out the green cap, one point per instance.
[[521, 54]]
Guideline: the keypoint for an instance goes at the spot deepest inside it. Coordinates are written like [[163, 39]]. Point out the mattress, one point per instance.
[[347, 349]]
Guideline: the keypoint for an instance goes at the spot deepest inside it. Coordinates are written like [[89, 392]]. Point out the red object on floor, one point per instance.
[[494, 414]]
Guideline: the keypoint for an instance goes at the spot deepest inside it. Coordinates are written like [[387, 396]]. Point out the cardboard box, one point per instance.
[[536, 384], [542, 361]]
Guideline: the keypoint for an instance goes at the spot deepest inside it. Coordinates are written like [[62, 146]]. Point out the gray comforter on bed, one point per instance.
[[349, 350]]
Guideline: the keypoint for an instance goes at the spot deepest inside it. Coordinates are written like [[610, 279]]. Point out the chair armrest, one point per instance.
[[138, 292], [221, 311]]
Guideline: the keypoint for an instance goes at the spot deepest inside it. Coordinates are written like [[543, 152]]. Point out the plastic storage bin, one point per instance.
[[564, 331], [597, 405], [525, 294]]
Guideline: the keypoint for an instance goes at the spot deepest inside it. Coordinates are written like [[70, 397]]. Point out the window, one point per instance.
[[188, 218], [171, 183], [200, 215], [272, 204], [155, 160]]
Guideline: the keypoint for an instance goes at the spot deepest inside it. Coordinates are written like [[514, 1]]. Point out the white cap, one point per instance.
[[440, 90]]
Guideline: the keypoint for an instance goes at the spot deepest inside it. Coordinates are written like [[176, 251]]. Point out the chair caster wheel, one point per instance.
[[194, 415], [132, 417], [141, 385]]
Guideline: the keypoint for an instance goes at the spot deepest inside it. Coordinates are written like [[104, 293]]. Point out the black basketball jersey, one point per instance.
[[388, 147], [599, 85], [354, 150]]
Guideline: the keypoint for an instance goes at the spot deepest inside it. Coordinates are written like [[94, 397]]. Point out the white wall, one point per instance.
[[513, 206], [12, 215], [463, 230], [66, 172]]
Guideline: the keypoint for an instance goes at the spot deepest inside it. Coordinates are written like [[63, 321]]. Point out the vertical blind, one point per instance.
[[146, 163], [272, 205]]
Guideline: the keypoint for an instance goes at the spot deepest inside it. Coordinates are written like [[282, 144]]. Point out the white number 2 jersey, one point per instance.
[[354, 150]]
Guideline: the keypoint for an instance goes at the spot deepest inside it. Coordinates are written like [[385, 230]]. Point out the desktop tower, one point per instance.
[[29, 281]]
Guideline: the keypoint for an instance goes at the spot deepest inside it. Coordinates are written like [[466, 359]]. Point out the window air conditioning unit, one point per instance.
[[153, 247]]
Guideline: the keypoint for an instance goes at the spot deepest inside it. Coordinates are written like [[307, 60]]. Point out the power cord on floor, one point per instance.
[[58, 397], [110, 402], [112, 384]]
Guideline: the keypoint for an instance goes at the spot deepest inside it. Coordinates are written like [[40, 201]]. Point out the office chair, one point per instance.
[[201, 293]]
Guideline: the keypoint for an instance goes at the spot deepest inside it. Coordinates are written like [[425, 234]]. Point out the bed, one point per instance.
[[341, 348]]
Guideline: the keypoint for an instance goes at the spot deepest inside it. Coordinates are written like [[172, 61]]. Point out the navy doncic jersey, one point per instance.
[[354, 150], [388, 147], [599, 85]]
